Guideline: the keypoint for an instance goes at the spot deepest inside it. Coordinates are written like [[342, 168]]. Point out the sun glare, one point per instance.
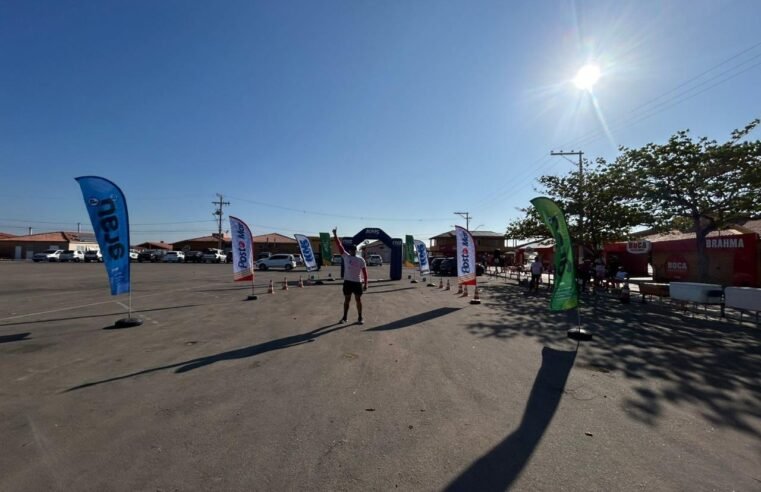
[[587, 77]]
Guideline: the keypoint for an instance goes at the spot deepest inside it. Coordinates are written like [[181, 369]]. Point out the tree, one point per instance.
[[710, 184], [606, 217]]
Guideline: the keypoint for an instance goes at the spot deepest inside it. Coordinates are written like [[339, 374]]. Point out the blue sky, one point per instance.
[[306, 115]]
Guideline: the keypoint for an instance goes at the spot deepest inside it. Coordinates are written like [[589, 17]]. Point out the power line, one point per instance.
[[623, 122], [337, 216]]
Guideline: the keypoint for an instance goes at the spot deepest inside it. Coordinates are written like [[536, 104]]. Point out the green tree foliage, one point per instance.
[[708, 183], [606, 217]]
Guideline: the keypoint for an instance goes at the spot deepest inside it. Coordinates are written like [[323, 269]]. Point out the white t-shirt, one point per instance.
[[353, 266], [536, 267]]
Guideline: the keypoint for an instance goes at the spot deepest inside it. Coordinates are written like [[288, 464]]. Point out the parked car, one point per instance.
[[287, 262], [71, 255], [214, 255], [336, 260], [261, 256], [193, 256], [49, 255], [435, 263], [174, 257], [152, 255], [448, 268], [93, 255], [133, 254], [299, 260], [374, 260]]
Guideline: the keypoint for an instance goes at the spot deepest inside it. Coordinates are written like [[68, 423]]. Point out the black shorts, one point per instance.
[[352, 288]]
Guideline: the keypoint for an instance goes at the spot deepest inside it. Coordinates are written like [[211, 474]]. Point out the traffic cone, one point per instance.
[[301, 283], [271, 289], [459, 288], [465, 290], [448, 286], [285, 283], [330, 277], [441, 283], [476, 298]]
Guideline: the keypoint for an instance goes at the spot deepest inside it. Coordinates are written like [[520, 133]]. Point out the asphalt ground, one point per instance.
[[214, 392]]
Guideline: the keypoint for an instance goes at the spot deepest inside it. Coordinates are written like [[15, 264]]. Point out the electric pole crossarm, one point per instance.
[[218, 213]]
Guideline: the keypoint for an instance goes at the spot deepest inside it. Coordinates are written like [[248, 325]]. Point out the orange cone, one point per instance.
[[448, 287], [476, 298], [301, 283], [441, 283], [285, 283], [459, 288], [465, 290], [271, 289]]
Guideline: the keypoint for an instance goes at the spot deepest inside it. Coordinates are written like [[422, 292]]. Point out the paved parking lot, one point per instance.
[[217, 393]]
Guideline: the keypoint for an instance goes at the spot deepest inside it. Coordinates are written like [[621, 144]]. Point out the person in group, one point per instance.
[[355, 269], [599, 273], [536, 274], [622, 276]]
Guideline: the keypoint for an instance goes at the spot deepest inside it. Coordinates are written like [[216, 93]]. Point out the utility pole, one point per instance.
[[580, 199], [467, 217], [218, 212]]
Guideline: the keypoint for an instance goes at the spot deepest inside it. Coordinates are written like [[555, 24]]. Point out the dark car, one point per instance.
[[448, 268], [194, 257], [152, 255], [435, 263]]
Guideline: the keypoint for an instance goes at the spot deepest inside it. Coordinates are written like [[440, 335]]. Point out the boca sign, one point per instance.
[[638, 247]]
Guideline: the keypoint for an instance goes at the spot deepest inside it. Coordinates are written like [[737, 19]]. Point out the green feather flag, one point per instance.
[[565, 294]]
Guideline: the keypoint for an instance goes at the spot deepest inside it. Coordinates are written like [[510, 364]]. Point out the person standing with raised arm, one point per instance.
[[355, 270]]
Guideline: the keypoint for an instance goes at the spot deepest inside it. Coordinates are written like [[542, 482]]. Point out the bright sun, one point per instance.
[[587, 77]]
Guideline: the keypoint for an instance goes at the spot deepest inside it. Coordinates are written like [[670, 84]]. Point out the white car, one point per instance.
[[93, 255], [49, 255], [174, 257], [287, 262], [71, 255], [133, 254], [214, 255], [374, 260]]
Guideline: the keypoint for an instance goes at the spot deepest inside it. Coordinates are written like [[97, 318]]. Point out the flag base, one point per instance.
[[252, 297], [413, 281], [579, 334], [475, 301], [128, 322]]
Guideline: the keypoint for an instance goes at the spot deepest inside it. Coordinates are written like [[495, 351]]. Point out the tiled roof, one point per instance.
[[751, 226], [4, 235], [274, 237], [151, 245], [677, 236], [472, 233], [53, 237], [203, 239]]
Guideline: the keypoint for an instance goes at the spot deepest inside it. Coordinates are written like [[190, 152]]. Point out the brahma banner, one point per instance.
[[306, 252], [243, 250], [107, 208], [422, 257], [466, 257]]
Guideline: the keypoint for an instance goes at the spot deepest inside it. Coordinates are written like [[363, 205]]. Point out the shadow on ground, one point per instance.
[[241, 353], [414, 320], [499, 468], [710, 364], [16, 337]]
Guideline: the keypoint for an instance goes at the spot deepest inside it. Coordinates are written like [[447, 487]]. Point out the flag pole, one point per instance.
[[252, 296]]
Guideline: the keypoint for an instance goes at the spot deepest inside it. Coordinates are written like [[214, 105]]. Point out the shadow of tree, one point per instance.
[[498, 469], [708, 363], [241, 353]]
